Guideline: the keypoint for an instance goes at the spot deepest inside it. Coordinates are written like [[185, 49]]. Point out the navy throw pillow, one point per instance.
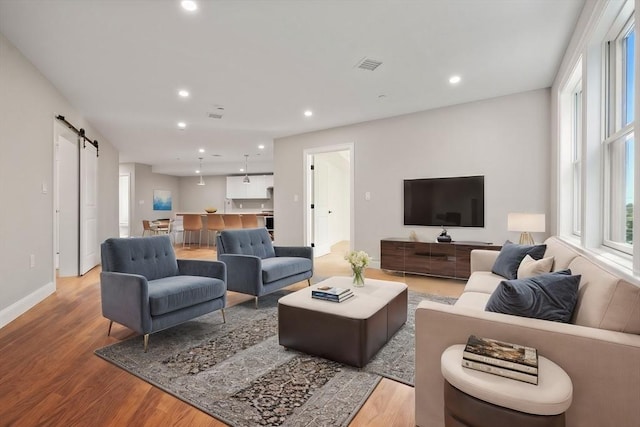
[[549, 296], [511, 255]]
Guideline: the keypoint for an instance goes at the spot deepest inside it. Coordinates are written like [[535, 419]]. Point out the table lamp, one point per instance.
[[526, 223]]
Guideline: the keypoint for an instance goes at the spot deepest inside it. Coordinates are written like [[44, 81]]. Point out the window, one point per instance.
[[618, 142], [576, 160]]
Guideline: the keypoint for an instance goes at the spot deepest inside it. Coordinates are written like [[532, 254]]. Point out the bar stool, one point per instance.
[[215, 223], [231, 221], [191, 223], [249, 220]]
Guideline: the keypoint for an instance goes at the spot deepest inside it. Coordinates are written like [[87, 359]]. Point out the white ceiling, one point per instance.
[[121, 64]]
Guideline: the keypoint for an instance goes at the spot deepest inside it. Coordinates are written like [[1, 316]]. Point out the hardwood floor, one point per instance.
[[49, 375]]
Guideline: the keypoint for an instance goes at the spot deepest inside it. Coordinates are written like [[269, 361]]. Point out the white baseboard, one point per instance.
[[20, 307]]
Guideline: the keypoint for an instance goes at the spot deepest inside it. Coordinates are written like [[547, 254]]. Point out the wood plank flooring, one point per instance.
[[49, 375]]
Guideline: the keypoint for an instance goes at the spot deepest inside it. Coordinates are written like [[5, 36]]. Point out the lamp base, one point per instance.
[[526, 239]]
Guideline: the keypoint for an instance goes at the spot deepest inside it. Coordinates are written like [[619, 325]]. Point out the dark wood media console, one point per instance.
[[433, 259]]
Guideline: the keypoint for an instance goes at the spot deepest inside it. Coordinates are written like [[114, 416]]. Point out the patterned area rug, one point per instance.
[[237, 372]]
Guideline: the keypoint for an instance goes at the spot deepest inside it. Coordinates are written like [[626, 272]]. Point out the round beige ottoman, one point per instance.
[[478, 399]]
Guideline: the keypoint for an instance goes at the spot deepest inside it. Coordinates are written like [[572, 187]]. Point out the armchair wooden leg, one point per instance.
[[224, 318], [110, 325], [146, 342], [309, 282]]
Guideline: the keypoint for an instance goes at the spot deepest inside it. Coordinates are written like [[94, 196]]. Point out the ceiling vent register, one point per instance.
[[368, 64]]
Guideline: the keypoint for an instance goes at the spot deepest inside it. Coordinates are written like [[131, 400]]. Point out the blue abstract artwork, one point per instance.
[[161, 200]]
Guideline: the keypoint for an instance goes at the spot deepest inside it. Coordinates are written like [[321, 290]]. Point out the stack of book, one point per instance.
[[501, 358], [334, 294]]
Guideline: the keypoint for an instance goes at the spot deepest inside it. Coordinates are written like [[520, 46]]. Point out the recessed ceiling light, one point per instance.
[[182, 125], [197, 170], [308, 113], [183, 93], [454, 80], [201, 150], [261, 147], [189, 5], [241, 169]]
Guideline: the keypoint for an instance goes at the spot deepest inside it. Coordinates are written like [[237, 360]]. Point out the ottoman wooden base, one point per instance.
[[479, 399], [462, 410], [319, 328]]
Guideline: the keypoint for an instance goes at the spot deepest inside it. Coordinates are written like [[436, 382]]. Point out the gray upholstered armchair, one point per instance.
[[256, 267], [145, 288]]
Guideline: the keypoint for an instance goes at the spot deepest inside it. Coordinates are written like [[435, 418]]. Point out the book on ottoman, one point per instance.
[[501, 358], [332, 293]]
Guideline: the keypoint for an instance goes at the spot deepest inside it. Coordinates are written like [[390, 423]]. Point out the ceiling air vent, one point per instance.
[[368, 64], [217, 114]]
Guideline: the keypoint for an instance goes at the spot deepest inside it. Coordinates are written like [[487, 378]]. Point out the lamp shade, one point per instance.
[[526, 222]]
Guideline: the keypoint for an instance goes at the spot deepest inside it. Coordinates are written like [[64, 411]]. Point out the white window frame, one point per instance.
[[615, 130], [576, 158]]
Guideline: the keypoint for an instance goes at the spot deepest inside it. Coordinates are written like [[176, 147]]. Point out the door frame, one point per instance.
[[308, 189]]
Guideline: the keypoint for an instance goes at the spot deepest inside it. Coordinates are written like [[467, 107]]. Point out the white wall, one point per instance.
[[28, 106], [506, 139], [196, 198]]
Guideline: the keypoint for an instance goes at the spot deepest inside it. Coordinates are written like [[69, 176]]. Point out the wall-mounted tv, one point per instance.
[[447, 202]]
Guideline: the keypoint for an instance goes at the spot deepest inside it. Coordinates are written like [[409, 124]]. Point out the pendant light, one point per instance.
[[246, 179], [201, 182]]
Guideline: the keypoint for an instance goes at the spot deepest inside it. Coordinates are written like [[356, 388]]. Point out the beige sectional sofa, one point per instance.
[[599, 349]]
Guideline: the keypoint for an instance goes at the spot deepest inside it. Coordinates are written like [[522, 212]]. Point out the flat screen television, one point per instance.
[[447, 202]]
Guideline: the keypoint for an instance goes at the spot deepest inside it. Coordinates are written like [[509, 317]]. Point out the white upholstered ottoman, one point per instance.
[[351, 331], [478, 399]]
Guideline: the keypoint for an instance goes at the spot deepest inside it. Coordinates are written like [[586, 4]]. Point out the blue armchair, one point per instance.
[[256, 267], [145, 288]]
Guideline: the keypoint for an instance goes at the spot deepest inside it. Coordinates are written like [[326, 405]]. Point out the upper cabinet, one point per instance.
[[258, 188]]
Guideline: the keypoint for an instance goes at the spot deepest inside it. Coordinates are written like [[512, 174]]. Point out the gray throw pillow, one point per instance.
[[549, 296], [511, 255]]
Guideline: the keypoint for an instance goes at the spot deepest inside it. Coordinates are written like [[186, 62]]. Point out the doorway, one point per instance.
[[75, 210], [124, 192], [66, 201], [328, 196]]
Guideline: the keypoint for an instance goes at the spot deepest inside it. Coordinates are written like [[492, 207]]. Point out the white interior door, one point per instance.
[[321, 209], [124, 192], [66, 209], [89, 248]]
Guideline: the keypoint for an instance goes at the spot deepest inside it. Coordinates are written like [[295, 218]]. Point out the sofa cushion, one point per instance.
[[248, 241], [530, 267], [511, 255], [473, 300], [280, 267], [561, 252], [152, 257], [605, 301], [550, 296], [483, 281], [177, 292]]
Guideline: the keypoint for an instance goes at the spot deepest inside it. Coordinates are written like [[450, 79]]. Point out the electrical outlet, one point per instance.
[[261, 205], [295, 197], [367, 195], [32, 260], [240, 205]]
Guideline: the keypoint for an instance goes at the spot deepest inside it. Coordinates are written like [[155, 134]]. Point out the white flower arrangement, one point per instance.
[[358, 259]]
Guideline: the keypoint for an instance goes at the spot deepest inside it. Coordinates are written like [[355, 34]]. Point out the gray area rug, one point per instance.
[[237, 372]]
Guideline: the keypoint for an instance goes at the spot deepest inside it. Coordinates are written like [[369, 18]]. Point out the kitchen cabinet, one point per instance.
[[258, 187]]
